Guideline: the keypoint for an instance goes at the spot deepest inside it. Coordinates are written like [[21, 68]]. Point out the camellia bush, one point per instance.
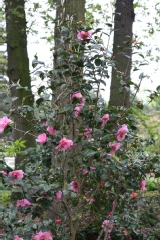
[[86, 177]]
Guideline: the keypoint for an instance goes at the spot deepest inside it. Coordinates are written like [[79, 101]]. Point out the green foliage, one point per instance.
[[5, 197], [152, 184], [148, 120], [14, 148]]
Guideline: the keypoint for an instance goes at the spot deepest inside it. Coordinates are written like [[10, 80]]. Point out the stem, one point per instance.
[[113, 210], [125, 110], [24, 132], [72, 226], [65, 171]]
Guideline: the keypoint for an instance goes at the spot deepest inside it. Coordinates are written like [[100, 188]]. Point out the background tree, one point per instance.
[[122, 53], [68, 14], [18, 72], [3, 109]]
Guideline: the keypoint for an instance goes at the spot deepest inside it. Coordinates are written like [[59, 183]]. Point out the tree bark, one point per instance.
[[63, 13], [18, 72], [124, 17]]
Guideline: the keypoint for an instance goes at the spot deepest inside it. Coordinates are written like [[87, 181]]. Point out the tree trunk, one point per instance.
[[18, 71], [72, 8], [63, 13], [122, 52], [77, 10]]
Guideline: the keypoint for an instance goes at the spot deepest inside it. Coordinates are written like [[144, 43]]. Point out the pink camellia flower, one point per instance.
[[125, 232], [83, 35], [58, 220], [110, 213], [4, 172], [64, 144], [84, 171], [77, 110], [4, 123], [87, 132], [43, 236], [17, 238], [90, 200], [51, 130], [23, 203], [114, 147], [44, 123], [105, 119], [58, 195], [122, 132], [107, 226], [77, 95], [144, 232], [108, 238], [143, 185], [82, 101], [42, 138], [133, 195], [17, 174], [92, 168], [74, 185]]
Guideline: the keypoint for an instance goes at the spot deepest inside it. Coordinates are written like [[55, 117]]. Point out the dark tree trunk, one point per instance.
[[124, 17], [18, 71]]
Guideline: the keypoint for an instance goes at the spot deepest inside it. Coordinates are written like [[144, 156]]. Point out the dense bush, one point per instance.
[[85, 178]]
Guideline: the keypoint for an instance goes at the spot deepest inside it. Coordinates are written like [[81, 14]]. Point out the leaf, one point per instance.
[[141, 55], [157, 175], [107, 184], [141, 76], [36, 62], [64, 53], [16, 190], [41, 89], [116, 159], [98, 30], [67, 107], [158, 88], [109, 24], [97, 62], [22, 145], [80, 63], [103, 82], [64, 29], [155, 159], [91, 153], [140, 106], [39, 101]]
